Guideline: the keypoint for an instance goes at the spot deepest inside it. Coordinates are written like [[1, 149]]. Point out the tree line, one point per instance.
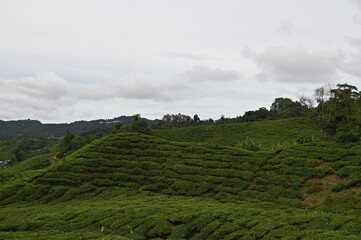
[[335, 110]]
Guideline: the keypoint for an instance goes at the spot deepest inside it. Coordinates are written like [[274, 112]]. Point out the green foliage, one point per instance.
[[71, 143], [338, 114], [281, 104], [168, 217], [7, 148], [267, 134], [128, 185], [345, 137], [28, 148], [140, 126], [305, 139], [249, 144], [143, 162], [34, 129], [281, 108], [118, 125], [66, 140]]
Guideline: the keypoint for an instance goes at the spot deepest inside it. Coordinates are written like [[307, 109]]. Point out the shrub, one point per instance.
[[305, 139], [347, 138], [249, 144]]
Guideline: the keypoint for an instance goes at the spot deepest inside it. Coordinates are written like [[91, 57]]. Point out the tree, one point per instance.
[[196, 118], [321, 95], [221, 120], [177, 120], [344, 102], [167, 118], [285, 108], [19, 154], [118, 125], [305, 101], [281, 103], [70, 143], [140, 125], [66, 140], [136, 117], [257, 115]]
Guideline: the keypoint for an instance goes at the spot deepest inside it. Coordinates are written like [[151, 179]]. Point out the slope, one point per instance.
[[33, 128], [6, 149], [265, 133], [133, 186]]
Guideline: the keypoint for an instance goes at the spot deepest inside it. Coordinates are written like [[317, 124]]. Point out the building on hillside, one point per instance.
[[4, 163]]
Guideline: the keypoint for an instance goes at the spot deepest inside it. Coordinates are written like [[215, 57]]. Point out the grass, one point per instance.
[[135, 186], [140, 216], [267, 134]]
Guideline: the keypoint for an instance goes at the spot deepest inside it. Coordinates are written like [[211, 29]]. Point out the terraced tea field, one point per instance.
[[135, 186], [267, 134]]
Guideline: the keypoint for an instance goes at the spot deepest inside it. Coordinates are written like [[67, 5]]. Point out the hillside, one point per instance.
[[267, 134], [7, 148], [34, 128], [18, 150], [133, 186]]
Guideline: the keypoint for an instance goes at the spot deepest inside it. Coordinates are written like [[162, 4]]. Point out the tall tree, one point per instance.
[[196, 118], [140, 125], [281, 103], [345, 102], [321, 95]]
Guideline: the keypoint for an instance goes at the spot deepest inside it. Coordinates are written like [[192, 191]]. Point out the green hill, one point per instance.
[[21, 149], [6, 149], [266, 134], [19, 129], [134, 186]]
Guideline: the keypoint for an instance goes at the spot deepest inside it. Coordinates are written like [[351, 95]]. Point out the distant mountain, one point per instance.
[[34, 128]]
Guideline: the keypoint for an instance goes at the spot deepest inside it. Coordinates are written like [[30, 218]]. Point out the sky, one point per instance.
[[69, 60]]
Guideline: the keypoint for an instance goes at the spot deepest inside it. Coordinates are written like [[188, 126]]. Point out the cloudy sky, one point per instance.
[[63, 60]]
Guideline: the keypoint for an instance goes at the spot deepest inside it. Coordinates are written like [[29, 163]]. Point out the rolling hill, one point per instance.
[[135, 186], [34, 128], [265, 133]]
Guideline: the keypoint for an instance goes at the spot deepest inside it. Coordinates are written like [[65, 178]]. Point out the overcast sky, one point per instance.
[[62, 61]]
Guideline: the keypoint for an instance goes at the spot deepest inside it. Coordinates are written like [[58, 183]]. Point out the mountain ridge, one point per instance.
[[34, 128]]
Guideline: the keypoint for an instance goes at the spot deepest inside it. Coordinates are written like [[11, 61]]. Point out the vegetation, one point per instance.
[[140, 125], [19, 150], [7, 148], [267, 134], [292, 178], [134, 186], [34, 129]]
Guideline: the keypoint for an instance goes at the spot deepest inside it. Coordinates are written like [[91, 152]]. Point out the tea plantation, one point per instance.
[[134, 186], [266, 134]]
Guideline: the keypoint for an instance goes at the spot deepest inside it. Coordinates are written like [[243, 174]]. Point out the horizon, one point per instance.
[[153, 119]]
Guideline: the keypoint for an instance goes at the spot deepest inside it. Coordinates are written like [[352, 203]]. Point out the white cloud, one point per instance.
[[357, 19], [205, 74], [40, 96], [352, 63], [189, 56], [296, 65], [286, 27], [357, 16], [47, 94], [127, 86], [49, 97], [112, 58], [358, 3]]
